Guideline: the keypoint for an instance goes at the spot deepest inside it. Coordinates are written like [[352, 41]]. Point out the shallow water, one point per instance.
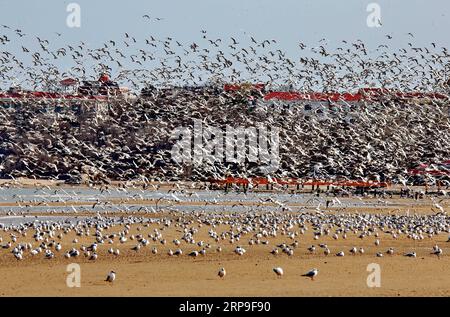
[[214, 201]]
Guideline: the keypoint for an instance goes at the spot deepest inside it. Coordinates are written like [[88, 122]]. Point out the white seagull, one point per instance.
[[278, 271], [222, 273], [111, 277], [311, 274], [437, 251], [193, 254]]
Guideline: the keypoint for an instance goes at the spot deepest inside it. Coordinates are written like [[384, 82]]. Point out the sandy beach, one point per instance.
[[143, 273]]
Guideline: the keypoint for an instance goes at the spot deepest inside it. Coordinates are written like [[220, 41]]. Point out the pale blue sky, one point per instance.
[[289, 21]]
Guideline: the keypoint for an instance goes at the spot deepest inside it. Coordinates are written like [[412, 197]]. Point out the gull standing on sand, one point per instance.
[[111, 277], [437, 251], [193, 254], [278, 271], [222, 273], [239, 250], [311, 274], [178, 252]]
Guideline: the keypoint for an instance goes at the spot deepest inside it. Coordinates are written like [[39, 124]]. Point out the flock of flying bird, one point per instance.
[[131, 139]]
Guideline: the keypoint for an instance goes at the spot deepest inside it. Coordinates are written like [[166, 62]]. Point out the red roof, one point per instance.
[[441, 168], [68, 82], [315, 96], [363, 94], [294, 181], [46, 95]]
